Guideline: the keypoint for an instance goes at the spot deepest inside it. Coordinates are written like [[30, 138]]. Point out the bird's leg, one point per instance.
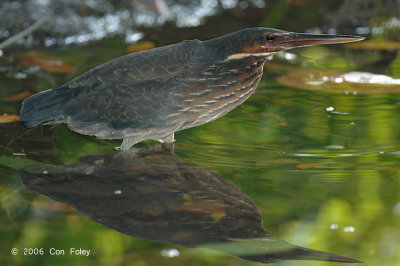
[[167, 143], [168, 139], [167, 148], [127, 143]]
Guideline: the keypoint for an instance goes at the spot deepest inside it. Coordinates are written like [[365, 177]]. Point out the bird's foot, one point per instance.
[[167, 148], [168, 139], [167, 143], [127, 143]]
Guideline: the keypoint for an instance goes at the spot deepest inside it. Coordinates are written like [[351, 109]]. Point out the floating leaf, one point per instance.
[[36, 58], [218, 215], [140, 46], [306, 166], [340, 82], [17, 97], [8, 118], [374, 45], [51, 206], [215, 209], [303, 166]]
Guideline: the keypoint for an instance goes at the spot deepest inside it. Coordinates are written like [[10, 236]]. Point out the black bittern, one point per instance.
[[154, 93]]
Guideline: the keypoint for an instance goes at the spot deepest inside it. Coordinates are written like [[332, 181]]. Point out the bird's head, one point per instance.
[[266, 41]]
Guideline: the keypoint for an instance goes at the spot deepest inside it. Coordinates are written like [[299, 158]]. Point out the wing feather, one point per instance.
[[130, 95]]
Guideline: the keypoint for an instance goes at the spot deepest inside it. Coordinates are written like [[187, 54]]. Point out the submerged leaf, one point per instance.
[[140, 46], [303, 166], [306, 166], [8, 118], [36, 58], [342, 82], [51, 206], [17, 97]]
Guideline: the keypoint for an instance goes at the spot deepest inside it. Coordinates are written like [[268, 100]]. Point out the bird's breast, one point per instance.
[[219, 89]]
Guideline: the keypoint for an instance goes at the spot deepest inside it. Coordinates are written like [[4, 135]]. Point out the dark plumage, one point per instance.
[[151, 94]]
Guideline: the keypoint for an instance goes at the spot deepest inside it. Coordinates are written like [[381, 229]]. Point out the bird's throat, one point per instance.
[[245, 55]]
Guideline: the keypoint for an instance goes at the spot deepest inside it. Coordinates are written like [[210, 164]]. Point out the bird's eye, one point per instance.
[[270, 38]]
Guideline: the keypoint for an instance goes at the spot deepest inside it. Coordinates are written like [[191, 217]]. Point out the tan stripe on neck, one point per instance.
[[244, 55]]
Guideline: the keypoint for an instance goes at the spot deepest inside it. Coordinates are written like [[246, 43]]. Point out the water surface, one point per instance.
[[320, 162]]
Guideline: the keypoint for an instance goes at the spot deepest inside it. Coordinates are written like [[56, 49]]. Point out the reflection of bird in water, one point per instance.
[[154, 93], [157, 196]]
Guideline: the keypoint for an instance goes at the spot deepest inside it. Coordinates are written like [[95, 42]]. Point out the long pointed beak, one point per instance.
[[293, 40]]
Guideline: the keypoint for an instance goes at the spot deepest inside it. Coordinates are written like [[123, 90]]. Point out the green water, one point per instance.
[[321, 166]]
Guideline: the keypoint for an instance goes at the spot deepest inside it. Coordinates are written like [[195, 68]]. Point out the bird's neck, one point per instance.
[[222, 86]]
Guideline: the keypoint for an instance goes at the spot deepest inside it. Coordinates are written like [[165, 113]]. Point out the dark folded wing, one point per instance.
[[132, 91], [113, 110]]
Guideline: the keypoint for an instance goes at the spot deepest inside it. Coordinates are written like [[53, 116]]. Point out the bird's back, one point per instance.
[[120, 97], [148, 65]]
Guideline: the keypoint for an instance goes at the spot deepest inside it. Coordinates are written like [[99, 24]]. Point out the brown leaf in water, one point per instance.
[[8, 118], [336, 82], [306, 166], [218, 215], [140, 46], [17, 97], [51, 206], [36, 58], [303, 166], [374, 45], [214, 209]]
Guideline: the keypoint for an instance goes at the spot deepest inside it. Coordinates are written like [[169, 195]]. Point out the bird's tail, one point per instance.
[[44, 106]]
